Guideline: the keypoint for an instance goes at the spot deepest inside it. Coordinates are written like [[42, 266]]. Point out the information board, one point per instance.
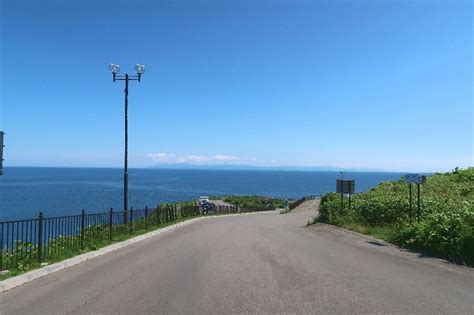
[[345, 186], [415, 178]]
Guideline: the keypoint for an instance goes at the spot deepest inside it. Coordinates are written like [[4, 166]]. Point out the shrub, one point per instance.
[[446, 228]]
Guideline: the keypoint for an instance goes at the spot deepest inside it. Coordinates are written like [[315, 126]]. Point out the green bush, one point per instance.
[[446, 227]]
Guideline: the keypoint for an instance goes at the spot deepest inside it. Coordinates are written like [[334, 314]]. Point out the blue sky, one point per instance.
[[366, 84]]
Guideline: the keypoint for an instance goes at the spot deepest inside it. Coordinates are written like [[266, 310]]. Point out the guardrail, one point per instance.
[[33, 241]]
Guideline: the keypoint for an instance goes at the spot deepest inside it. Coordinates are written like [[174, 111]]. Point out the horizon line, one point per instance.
[[191, 167]]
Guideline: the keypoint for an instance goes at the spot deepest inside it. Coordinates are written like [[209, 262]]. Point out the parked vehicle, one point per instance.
[[205, 205], [203, 199], [208, 208]]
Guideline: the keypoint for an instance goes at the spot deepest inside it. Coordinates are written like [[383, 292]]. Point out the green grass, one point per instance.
[[381, 232], [96, 237], [446, 226]]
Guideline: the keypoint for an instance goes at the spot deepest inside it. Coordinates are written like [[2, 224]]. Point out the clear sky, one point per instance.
[[352, 84]]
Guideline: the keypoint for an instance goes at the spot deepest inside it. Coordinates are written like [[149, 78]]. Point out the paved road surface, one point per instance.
[[263, 263]]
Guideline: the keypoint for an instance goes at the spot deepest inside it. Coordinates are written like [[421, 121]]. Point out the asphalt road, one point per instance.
[[261, 263]]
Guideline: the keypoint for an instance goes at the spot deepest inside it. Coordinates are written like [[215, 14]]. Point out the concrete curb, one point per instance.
[[46, 270]]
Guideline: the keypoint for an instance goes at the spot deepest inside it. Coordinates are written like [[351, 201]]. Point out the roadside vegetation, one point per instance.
[[252, 202], [446, 226], [25, 256]]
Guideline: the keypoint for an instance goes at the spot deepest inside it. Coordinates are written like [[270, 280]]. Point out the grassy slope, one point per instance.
[[446, 227]]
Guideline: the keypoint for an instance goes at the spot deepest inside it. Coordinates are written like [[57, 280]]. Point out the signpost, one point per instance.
[[417, 179], [345, 186]]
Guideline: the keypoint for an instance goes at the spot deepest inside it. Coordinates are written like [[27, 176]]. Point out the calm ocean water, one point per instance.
[[25, 191]]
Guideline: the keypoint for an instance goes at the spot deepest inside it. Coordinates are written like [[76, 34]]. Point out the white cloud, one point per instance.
[[166, 158]]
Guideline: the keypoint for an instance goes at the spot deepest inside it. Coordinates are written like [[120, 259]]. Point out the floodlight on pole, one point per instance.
[[115, 69], [139, 69]]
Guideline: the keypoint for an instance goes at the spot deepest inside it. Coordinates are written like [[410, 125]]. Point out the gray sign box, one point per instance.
[[345, 186], [415, 178]]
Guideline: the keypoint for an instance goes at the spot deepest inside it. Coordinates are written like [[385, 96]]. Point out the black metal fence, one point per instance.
[[48, 238]]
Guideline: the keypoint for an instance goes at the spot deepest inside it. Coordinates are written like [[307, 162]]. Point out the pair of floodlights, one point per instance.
[[115, 69]]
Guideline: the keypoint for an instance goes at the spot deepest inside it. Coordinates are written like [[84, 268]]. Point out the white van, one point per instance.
[[203, 199]]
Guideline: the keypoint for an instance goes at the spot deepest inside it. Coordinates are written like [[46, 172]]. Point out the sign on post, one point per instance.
[[345, 186], [417, 179]]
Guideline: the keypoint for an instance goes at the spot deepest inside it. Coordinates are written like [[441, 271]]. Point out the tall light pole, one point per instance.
[[139, 70]]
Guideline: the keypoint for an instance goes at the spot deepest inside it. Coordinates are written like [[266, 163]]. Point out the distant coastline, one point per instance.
[[221, 168], [265, 168]]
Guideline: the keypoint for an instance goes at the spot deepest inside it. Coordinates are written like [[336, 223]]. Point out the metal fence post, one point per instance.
[[146, 217], [83, 217], [40, 237], [131, 219], [158, 214], [111, 215]]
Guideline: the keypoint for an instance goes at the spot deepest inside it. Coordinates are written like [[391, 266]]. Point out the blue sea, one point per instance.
[[25, 191]]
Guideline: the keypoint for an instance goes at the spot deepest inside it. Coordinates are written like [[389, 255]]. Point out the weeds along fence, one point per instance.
[[33, 241]]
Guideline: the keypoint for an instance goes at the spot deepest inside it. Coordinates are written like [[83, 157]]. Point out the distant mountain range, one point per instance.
[[186, 166]]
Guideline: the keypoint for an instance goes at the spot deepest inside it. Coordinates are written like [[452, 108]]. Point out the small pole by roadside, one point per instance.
[[131, 220], [40, 237], [146, 217], [111, 215], [83, 217]]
